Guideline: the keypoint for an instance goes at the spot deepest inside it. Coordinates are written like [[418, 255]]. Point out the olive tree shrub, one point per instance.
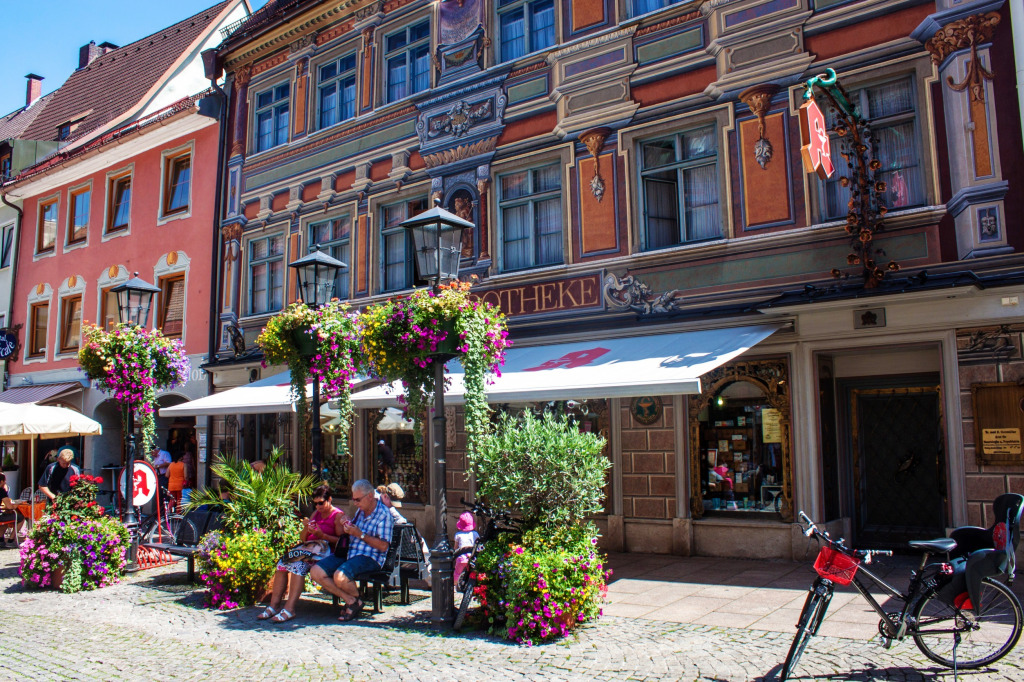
[[543, 468]]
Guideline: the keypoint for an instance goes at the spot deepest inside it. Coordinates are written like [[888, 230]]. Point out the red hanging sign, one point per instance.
[[815, 149]]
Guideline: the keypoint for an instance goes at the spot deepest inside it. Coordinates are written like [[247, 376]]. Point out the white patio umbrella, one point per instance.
[[31, 422], [394, 420]]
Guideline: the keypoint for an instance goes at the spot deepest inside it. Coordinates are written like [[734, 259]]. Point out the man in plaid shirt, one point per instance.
[[369, 537]]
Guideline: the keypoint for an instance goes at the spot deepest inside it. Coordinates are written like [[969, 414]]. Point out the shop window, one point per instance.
[[266, 274], [119, 210], [39, 318], [334, 238], [525, 27], [70, 324], [740, 451], [398, 264], [407, 61], [337, 91], [272, 117], [530, 209], [78, 216], [172, 305], [680, 188], [46, 235], [396, 459], [892, 109]]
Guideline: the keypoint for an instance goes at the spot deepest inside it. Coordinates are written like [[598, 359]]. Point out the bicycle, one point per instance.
[[497, 523], [957, 614], [170, 526]]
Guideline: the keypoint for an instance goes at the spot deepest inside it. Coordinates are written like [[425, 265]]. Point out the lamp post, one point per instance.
[[437, 243], [134, 299], [316, 274]]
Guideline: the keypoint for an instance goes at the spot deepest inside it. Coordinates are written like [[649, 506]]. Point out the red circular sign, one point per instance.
[[145, 483]]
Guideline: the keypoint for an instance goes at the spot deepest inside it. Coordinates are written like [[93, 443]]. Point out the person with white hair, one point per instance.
[[56, 478], [369, 538]]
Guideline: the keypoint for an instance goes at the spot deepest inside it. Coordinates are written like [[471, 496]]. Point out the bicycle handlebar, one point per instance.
[[813, 531], [483, 510]]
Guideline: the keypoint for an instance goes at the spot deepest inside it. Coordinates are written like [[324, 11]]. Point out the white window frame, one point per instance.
[[530, 199], [73, 192], [273, 107], [167, 157], [276, 231], [525, 6], [396, 28]]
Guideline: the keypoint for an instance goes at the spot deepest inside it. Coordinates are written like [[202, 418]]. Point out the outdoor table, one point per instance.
[[26, 510]]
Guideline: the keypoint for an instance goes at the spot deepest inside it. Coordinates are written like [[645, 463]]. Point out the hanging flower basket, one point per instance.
[[321, 342], [132, 364], [404, 338]]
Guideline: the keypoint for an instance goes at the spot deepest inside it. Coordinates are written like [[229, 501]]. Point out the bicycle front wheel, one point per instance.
[[467, 598], [984, 638], [185, 532], [806, 627]]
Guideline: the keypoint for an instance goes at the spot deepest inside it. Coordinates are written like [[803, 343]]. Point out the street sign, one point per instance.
[[816, 149], [145, 482]]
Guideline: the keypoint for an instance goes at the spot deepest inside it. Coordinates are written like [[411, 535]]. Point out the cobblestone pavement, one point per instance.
[[153, 626]]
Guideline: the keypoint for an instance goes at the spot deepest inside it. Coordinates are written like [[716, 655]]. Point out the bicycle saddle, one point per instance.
[[937, 546]]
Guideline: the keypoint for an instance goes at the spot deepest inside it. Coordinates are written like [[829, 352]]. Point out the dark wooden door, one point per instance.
[[898, 465]]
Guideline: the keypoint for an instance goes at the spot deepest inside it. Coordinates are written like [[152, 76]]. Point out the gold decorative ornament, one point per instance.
[[968, 32], [594, 141], [759, 99]]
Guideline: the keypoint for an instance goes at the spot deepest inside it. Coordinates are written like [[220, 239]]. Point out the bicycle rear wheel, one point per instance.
[[806, 627], [984, 638], [467, 598]]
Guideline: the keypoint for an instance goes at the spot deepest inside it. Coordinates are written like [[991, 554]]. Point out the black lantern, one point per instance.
[[437, 241], [134, 299], [317, 274]]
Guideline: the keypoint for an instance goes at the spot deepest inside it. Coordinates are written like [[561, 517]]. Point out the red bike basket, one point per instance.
[[836, 566]]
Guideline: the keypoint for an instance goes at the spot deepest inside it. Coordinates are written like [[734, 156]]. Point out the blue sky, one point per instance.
[[44, 36]]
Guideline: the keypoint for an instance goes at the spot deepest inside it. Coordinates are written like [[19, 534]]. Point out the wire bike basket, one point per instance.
[[836, 566]]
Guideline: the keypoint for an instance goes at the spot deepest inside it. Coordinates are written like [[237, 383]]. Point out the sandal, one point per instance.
[[352, 611], [267, 614], [283, 616]]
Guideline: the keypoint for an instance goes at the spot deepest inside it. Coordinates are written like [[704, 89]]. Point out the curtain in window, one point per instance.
[[701, 195], [259, 288], [516, 226], [264, 131], [282, 124], [348, 99], [896, 149], [340, 252], [542, 25], [661, 204], [513, 35], [396, 78], [548, 224], [420, 69], [276, 285], [394, 261], [645, 6], [328, 105]]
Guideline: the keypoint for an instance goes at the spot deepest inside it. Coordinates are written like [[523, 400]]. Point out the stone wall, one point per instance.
[[648, 464]]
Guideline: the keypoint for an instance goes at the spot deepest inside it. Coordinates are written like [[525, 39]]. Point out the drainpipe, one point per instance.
[[213, 71], [14, 275]]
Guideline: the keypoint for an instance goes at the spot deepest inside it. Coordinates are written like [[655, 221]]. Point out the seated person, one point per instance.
[[9, 511], [390, 496], [369, 538], [325, 525]]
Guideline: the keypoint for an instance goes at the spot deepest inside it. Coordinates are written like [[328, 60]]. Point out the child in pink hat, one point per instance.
[[465, 538]]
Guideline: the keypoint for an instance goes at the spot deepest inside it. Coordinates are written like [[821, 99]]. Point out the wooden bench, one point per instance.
[[187, 547]]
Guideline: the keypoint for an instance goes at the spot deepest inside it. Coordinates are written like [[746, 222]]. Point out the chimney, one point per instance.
[[87, 53], [34, 89]]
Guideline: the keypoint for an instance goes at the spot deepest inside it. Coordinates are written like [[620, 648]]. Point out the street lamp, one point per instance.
[[134, 299], [316, 274], [437, 242]]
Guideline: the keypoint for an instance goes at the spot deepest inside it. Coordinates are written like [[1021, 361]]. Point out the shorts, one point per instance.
[[357, 565]]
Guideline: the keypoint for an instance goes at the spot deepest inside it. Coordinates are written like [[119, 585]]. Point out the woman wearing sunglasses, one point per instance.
[[320, 534]]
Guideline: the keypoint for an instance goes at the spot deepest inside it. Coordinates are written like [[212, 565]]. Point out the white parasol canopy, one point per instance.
[[394, 420], [29, 421]]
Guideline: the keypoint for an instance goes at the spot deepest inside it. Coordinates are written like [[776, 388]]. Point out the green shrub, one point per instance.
[[543, 468]]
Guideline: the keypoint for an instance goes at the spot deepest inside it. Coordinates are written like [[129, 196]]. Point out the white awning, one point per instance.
[[266, 396], [656, 364]]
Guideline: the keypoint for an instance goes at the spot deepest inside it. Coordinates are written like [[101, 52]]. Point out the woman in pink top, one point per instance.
[[323, 527]]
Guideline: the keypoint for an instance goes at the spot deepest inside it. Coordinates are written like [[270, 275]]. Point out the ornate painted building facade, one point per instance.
[[633, 168]]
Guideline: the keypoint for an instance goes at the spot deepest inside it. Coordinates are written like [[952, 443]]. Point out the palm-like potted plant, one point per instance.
[[404, 337]]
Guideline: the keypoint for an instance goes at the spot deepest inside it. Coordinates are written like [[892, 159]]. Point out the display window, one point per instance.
[[739, 442]]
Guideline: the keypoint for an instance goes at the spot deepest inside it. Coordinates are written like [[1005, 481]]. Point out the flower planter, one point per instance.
[[305, 343], [448, 348]]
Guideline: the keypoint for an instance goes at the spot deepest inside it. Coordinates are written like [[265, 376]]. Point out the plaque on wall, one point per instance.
[[771, 427], [998, 410], [646, 409]]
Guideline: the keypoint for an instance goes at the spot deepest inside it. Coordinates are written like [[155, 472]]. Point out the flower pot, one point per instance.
[[57, 578], [305, 343], [450, 346]]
